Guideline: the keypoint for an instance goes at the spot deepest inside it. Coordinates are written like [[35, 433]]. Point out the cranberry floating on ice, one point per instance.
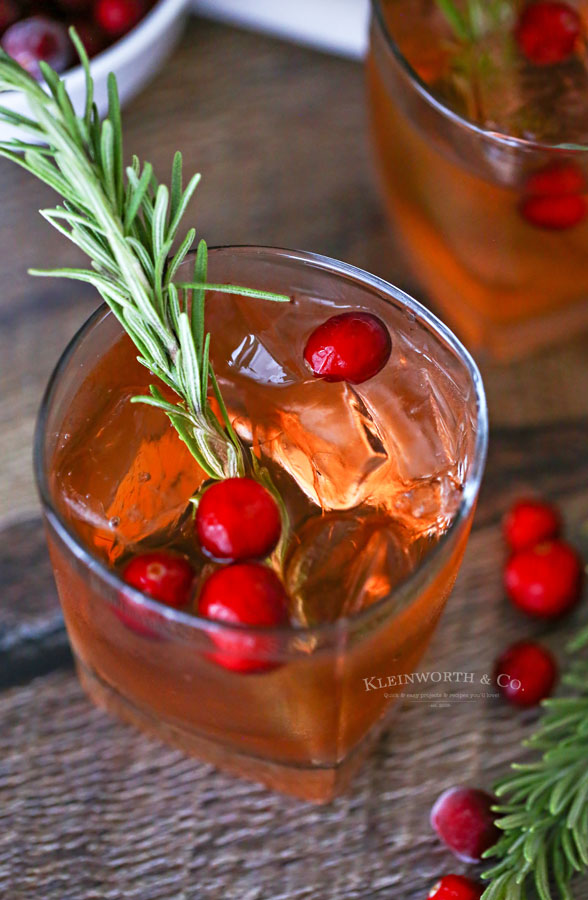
[[546, 580], [248, 594], [463, 819], [548, 32], [38, 39], [352, 347], [526, 673], [455, 887], [238, 519]]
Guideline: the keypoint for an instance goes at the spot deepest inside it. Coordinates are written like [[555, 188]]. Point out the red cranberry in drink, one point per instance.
[[546, 580], [548, 32], [238, 519], [116, 17], [9, 13], [525, 674], [530, 522], [352, 347], [455, 887], [245, 594], [463, 819], [162, 575], [555, 197], [37, 39]]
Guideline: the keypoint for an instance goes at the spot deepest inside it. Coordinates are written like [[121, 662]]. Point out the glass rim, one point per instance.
[[345, 623], [421, 86]]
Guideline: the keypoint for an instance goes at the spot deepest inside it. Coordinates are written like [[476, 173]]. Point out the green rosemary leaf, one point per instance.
[[81, 51], [140, 186], [115, 118], [143, 256], [200, 273], [180, 256], [176, 186], [237, 289], [183, 205], [159, 219], [456, 20], [205, 368], [190, 367]]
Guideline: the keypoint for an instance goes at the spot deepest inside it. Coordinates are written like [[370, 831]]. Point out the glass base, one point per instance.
[[312, 783]]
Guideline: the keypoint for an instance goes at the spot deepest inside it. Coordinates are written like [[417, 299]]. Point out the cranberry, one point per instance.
[[350, 347], [554, 197], [116, 17], [463, 819], [37, 39], [529, 522], [547, 32], [161, 575], [244, 594], [455, 887], [238, 519], [525, 673], [93, 39], [9, 13], [546, 580], [555, 213]]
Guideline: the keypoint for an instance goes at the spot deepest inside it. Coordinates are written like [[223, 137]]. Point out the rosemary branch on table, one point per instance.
[[128, 225], [544, 810]]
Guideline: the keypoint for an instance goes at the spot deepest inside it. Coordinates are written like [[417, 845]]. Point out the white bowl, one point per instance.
[[134, 59]]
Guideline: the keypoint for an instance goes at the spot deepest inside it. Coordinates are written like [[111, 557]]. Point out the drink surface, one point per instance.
[[371, 475]]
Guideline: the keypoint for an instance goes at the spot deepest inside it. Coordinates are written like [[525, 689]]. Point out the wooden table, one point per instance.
[[88, 808]]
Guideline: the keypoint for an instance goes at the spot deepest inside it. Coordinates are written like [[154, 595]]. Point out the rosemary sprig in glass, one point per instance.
[[128, 225], [544, 814]]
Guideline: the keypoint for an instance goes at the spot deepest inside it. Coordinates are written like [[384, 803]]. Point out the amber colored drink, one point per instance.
[[461, 135], [379, 481]]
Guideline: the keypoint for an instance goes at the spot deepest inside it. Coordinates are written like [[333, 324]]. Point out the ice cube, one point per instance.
[[127, 478], [341, 563]]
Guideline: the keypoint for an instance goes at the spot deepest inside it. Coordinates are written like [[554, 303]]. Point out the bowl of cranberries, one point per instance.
[[131, 38]]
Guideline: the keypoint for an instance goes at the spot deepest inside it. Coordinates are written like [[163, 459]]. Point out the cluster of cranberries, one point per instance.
[[238, 523], [554, 198], [35, 31], [543, 578]]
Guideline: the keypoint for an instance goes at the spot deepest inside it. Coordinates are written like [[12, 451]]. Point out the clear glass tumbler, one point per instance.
[[303, 720]]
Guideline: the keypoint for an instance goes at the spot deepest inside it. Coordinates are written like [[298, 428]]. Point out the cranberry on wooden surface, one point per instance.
[[162, 576], [238, 519], [547, 32], [546, 580], [352, 347], [526, 673], [248, 594], [116, 17], [455, 887], [529, 522], [36, 40], [463, 819]]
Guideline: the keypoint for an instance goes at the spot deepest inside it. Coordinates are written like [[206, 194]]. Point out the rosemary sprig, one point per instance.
[[471, 23], [545, 816], [128, 224]]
